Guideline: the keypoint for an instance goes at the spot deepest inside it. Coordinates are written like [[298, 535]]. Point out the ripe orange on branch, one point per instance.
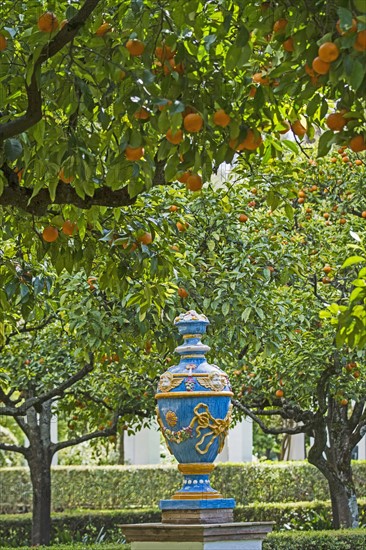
[[103, 29], [134, 153], [50, 234], [243, 218], [320, 66], [280, 25], [146, 238], [175, 138], [63, 178], [193, 122], [182, 293], [357, 144], [2, 42], [194, 182], [220, 118], [164, 52], [336, 122], [141, 114], [69, 227], [288, 45], [328, 52], [361, 41], [298, 129], [135, 47], [48, 22]]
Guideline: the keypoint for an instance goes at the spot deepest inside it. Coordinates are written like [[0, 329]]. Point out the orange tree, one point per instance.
[[88, 362], [264, 255]]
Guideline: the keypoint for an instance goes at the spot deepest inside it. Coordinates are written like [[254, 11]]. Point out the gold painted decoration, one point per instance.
[[168, 381], [217, 427], [202, 420], [171, 418], [215, 381]]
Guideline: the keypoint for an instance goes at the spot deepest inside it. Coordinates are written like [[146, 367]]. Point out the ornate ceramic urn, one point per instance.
[[194, 411]]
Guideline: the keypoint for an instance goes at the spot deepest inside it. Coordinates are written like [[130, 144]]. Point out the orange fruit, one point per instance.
[[336, 122], [301, 193], [182, 293], [50, 234], [63, 178], [134, 153], [146, 238], [301, 200], [342, 221], [286, 127], [141, 114], [320, 66], [174, 138], [352, 29], [361, 40], [194, 182], [328, 52], [251, 140], [358, 162], [309, 70], [193, 122], [333, 159], [164, 52], [69, 227], [169, 66], [357, 144], [288, 45], [184, 177], [173, 208], [243, 218], [326, 280], [363, 215], [135, 47], [182, 226], [252, 91], [279, 393], [220, 118], [103, 29], [48, 22], [344, 402], [345, 158], [298, 129], [258, 78], [280, 25], [2, 42], [327, 269], [179, 68]]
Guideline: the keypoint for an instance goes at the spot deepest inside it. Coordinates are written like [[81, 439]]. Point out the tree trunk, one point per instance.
[[39, 460], [344, 504], [40, 471], [121, 447]]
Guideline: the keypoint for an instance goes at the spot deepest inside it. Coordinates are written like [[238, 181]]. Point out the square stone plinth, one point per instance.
[[219, 536]]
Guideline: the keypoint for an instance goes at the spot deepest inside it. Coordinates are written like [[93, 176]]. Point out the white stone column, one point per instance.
[[143, 447], [239, 443], [362, 449], [54, 437], [296, 447]]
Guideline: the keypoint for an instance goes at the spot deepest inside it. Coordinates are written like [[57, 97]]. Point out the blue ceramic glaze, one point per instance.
[[194, 409]]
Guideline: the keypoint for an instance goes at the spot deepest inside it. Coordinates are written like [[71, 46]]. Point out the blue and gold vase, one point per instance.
[[194, 412]]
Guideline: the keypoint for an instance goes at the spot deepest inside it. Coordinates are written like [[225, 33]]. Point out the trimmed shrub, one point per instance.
[[75, 547], [348, 539], [112, 487], [91, 526]]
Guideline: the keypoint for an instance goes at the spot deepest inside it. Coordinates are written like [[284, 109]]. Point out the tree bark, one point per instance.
[[39, 459]]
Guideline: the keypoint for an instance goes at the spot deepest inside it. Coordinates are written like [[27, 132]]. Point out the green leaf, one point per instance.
[[326, 141], [13, 149], [289, 211], [246, 313], [357, 75], [225, 308], [353, 260]]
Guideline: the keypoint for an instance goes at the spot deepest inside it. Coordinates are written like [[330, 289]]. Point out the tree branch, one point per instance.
[[24, 328], [59, 390], [274, 431], [13, 448], [33, 113], [20, 197]]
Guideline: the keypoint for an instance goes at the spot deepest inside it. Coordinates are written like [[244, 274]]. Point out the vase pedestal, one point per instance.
[[214, 536]]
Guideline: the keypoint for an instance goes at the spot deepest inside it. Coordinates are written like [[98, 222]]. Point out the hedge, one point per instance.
[[322, 540], [112, 487], [351, 539], [92, 526]]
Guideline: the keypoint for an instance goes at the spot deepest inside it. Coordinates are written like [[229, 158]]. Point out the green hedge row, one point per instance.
[[322, 540], [92, 526], [111, 487], [352, 539]]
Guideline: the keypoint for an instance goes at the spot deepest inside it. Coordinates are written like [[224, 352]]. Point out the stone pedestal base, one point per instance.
[[225, 536]]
